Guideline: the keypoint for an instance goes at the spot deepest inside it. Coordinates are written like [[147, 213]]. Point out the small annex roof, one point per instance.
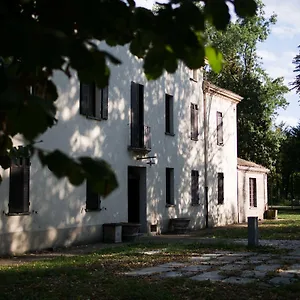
[[247, 165]]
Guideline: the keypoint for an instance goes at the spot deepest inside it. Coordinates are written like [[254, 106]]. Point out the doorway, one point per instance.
[[137, 204]]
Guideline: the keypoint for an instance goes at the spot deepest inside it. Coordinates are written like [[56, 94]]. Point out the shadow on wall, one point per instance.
[[59, 217]]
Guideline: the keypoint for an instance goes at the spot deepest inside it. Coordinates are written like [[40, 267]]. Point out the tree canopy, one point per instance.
[[40, 37], [243, 74]]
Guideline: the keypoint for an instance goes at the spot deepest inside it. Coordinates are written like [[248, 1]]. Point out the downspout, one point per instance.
[[205, 88]]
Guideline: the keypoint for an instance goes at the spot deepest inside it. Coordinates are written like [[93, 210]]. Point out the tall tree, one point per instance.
[[243, 74], [39, 37]]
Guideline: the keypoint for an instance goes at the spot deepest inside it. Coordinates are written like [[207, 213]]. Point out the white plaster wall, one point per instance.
[[222, 159], [58, 215], [243, 195]]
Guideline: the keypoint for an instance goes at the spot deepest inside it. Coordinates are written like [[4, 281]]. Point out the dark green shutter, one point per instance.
[[104, 103], [87, 99], [220, 188]]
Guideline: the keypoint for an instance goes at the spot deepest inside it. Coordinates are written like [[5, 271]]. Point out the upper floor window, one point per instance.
[[194, 75], [220, 129], [194, 122], [93, 101], [169, 126]]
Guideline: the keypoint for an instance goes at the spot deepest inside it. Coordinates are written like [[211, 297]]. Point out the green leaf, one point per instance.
[[100, 174], [245, 8], [218, 12], [215, 58]]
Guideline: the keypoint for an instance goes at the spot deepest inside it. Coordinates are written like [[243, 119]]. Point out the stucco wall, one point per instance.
[[58, 215], [245, 210]]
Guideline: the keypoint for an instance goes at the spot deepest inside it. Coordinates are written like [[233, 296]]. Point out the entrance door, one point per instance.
[[137, 196]]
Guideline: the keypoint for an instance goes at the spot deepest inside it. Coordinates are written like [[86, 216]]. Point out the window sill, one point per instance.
[[93, 118], [221, 145], [195, 204], [253, 207], [91, 210], [195, 139], [170, 205], [169, 133], [192, 79], [17, 214], [221, 203]]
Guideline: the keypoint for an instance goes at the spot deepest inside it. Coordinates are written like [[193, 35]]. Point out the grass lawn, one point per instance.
[[100, 276], [287, 227]]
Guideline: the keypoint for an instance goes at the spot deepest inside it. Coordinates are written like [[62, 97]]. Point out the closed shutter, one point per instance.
[[219, 128], [19, 187], [169, 114], [104, 103], [134, 115], [92, 198], [220, 188], [194, 121], [87, 99], [252, 192], [170, 186], [195, 187]]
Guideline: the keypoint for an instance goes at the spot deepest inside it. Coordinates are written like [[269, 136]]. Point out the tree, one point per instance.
[[296, 83], [243, 74], [39, 37]]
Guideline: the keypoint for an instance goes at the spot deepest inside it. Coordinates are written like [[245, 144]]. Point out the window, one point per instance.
[[169, 186], [93, 201], [169, 114], [219, 128], [252, 192], [220, 188], [93, 101], [194, 122], [19, 187], [195, 187]]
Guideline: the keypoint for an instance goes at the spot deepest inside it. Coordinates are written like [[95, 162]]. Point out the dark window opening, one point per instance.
[[195, 187], [19, 186], [169, 114], [220, 188], [93, 101], [170, 186], [93, 200]]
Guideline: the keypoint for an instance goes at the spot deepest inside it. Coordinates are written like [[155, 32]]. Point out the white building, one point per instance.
[[190, 131]]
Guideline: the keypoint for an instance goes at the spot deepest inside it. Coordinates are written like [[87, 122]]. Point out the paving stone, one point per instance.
[[295, 252], [230, 267], [254, 260], [172, 265], [171, 274], [211, 255], [267, 268], [147, 271], [197, 268], [228, 259], [281, 280], [274, 262], [200, 258], [238, 280], [212, 276], [242, 254], [253, 274], [152, 252], [242, 262]]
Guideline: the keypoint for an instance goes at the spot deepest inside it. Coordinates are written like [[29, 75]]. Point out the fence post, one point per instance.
[[252, 231]]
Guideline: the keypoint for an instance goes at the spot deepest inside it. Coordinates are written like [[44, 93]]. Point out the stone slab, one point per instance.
[[147, 271], [195, 268], [253, 274], [281, 280], [230, 267], [171, 274], [238, 280], [267, 268], [212, 276], [172, 265]]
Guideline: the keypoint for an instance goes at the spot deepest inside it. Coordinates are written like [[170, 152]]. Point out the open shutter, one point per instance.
[[19, 187], [196, 121], [192, 121], [104, 103], [87, 99], [220, 188], [195, 187], [219, 128], [92, 198], [134, 115]]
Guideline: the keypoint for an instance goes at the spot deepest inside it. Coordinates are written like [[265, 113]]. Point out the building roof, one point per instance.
[[251, 166]]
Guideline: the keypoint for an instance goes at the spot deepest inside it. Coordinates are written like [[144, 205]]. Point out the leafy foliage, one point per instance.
[[39, 37], [262, 95]]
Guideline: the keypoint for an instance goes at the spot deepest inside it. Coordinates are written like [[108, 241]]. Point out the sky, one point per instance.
[[278, 51]]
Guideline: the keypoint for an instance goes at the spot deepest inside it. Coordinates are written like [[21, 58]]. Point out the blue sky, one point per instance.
[[279, 50]]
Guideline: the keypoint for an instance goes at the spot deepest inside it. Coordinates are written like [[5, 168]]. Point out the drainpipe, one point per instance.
[[205, 89]]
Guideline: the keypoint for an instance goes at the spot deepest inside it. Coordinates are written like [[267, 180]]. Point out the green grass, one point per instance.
[[287, 227], [100, 276]]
